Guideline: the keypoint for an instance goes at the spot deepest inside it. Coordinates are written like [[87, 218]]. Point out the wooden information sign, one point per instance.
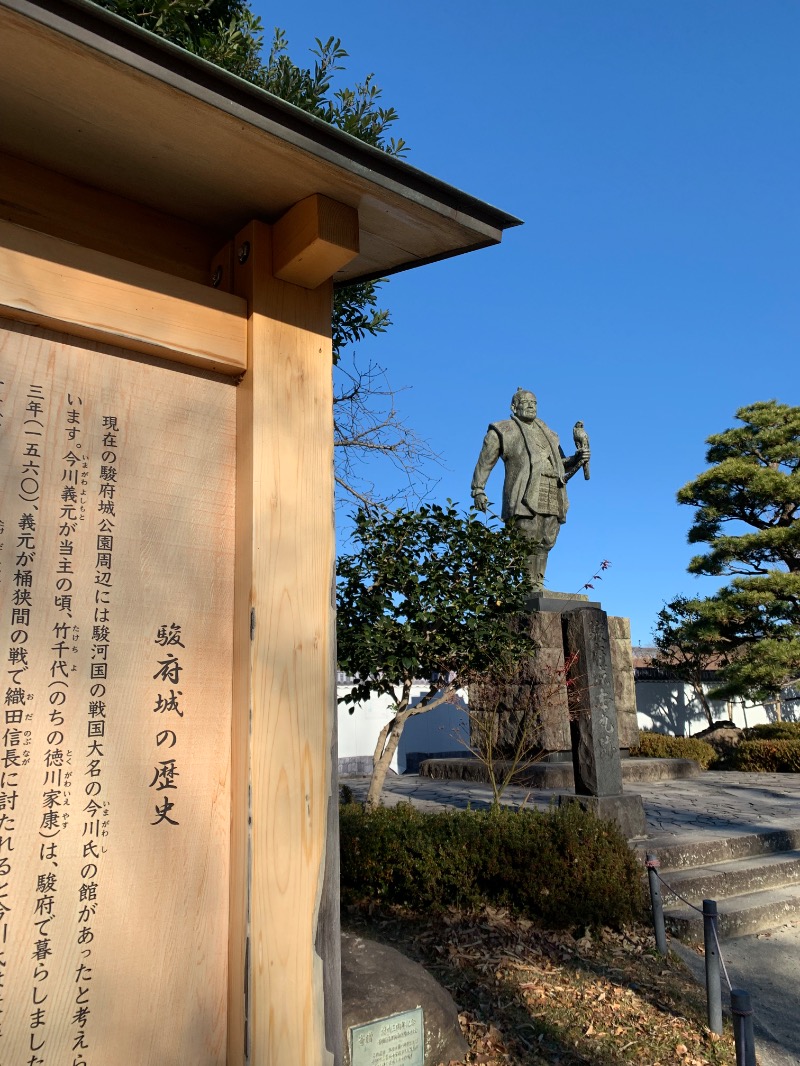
[[116, 599]]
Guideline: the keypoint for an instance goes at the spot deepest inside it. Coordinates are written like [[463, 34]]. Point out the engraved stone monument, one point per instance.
[[595, 733]]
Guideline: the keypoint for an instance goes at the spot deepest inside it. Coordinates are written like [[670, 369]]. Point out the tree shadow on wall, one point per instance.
[[670, 712]]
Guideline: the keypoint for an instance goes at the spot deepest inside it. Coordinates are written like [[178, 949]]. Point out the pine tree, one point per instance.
[[748, 513]]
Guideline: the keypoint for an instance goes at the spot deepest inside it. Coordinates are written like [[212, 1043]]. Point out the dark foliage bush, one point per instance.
[[561, 868], [773, 731], [658, 746], [767, 756]]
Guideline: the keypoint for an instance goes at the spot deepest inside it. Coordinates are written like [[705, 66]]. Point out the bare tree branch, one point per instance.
[[366, 425]]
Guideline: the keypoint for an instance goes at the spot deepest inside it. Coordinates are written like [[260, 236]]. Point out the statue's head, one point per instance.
[[523, 405]]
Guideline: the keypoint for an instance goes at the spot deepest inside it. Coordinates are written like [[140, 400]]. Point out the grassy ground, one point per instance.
[[528, 997]]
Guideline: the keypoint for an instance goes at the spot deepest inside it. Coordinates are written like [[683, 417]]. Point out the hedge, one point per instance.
[[659, 746], [766, 756], [773, 731], [562, 868]]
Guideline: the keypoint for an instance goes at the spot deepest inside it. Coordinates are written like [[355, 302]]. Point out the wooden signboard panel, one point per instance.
[[116, 619]]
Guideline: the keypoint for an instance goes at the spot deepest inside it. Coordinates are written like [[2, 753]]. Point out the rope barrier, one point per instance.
[[721, 960], [741, 1012], [740, 999], [674, 891], [652, 865]]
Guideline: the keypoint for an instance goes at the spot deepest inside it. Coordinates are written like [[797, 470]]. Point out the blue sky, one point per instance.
[[651, 148]]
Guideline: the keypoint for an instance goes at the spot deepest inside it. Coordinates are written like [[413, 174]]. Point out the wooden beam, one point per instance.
[[284, 659], [53, 283], [313, 240], [52, 203]]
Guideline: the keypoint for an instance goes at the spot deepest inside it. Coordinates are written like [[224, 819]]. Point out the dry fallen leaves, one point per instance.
[[534, 998]]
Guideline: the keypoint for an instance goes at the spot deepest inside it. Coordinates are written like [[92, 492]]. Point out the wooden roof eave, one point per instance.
[[112, 105]]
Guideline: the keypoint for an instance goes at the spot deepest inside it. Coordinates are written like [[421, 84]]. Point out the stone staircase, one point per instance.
[[755, 880]]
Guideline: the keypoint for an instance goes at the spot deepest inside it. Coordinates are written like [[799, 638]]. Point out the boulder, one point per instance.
[[722, 736], [378, 982]]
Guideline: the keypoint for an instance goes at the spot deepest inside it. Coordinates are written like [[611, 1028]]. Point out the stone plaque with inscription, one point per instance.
[[398, 1040], [116, 577]]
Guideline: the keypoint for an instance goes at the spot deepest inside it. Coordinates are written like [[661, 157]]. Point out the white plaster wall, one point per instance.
[[360, 726], [432, 732], [673, 708], [663, 706]]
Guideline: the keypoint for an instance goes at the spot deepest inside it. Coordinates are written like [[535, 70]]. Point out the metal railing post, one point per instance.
[[743, 1027], [713, 985], [657, 903]]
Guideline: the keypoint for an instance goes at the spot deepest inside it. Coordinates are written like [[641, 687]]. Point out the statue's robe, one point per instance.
[[535, 479]]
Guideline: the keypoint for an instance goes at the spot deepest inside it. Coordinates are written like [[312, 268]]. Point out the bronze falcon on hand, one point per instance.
[[581, 439]]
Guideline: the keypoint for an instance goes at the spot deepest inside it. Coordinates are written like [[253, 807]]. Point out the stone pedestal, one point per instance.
[[538, 690], [589, 717], [547, 676], [533, 705], [619, 635], [625, 809], [559, 601]]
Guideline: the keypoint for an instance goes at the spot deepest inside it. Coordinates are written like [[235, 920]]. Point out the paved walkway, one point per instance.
[[708, 807]]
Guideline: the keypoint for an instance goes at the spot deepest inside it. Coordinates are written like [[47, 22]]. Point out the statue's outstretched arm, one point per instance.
[[490, 453]]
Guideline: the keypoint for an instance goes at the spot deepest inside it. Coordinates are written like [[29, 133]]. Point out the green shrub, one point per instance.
[[773, 731], [659, 746], [562, 868], [767, 756]]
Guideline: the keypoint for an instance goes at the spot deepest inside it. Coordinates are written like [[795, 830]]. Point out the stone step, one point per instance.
[[557, 775], [739, 915], [692, 852], [722, 880]]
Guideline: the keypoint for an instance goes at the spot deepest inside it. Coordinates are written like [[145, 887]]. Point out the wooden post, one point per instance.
[[285, 998]]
